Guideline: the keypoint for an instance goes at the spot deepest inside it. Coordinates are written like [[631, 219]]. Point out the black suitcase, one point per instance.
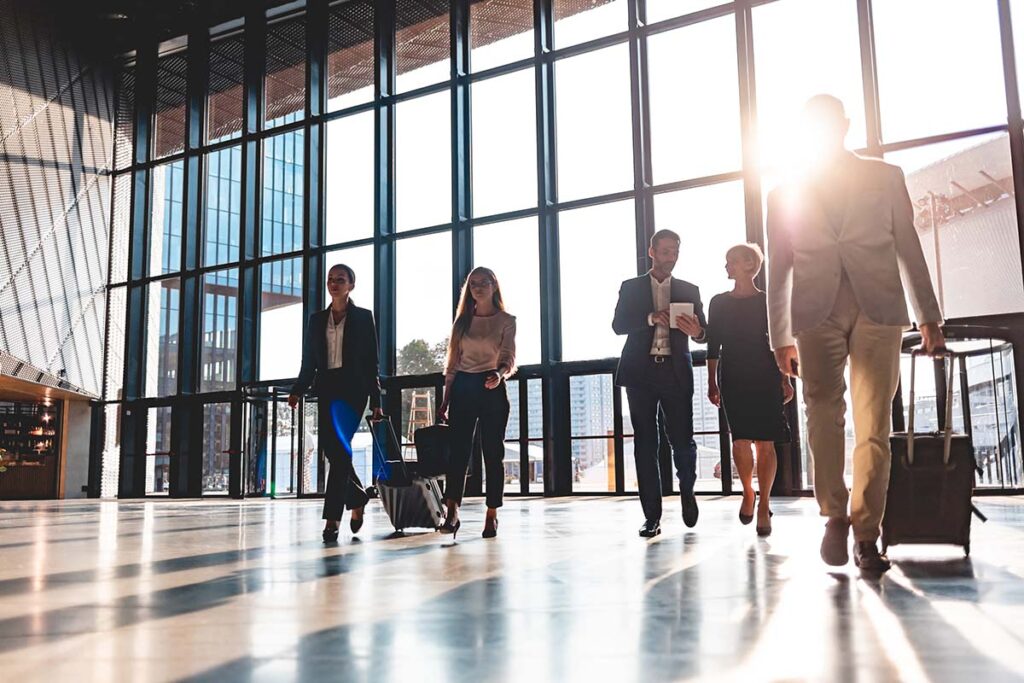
[[411, 500], [931, 481], [433, 450]]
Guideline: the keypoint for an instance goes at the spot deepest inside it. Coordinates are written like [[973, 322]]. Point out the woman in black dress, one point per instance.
[[744, 379]]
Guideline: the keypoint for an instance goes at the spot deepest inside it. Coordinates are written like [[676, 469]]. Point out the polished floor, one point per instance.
[[228, 590]]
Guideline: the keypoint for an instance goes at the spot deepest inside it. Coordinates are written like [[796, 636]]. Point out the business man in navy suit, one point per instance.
[[657, 371]]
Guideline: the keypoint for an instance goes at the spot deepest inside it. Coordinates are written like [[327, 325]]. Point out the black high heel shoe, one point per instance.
[[747, 519], [490, 531], [330, 535], [356, 524], [449, 528], [764, 531]]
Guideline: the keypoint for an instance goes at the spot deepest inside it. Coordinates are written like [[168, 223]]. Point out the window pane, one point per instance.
[[423, 162], [966, 219], [577, 21], [120, 228], [282, 444], [111, 463], [929, 50], [165, 202], [695, 120], [510, 250], [422, 43], [590, 405], [504, 144], [283, 175], [216, 443], [350, 73], [219, 330], [594, 120], [349, 181], [284, 94], [591, 414], [222, 212], [786, 78], [709, 450], [597, 252], [117, 312], [158, 448], [224, 116], [281, 319], [512, 427], [360, 260], [423, 277], [417, 412], [162, 337], [169, 115], [315, 466], [535, 417], [658, 10], [500, 32], [124, 121], [709, 220]]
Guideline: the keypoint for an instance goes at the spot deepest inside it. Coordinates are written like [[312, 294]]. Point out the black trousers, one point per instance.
[[675, 397], [474, 406], [340, 408]]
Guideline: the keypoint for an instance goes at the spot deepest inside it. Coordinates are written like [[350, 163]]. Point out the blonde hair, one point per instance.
[[751, 251]]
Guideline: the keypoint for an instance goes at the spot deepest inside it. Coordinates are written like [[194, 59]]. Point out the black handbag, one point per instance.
[[433, 450]]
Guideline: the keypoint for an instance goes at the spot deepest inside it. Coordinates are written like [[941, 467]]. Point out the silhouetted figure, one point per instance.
[[339, 360], [657, 371], [838, 242], [744, 379]]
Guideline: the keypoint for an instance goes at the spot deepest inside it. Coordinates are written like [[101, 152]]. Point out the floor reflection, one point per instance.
[[225, 591]]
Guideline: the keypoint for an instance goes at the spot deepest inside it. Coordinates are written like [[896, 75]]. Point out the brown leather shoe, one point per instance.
[[868, 559], [834, 542]]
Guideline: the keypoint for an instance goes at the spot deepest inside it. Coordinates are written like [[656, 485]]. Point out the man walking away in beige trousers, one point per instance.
[[841, 246]]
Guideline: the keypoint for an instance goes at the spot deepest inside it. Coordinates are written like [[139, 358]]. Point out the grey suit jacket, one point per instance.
[[857, 218]]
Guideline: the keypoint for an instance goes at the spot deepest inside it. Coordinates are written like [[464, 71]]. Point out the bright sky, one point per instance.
[[939, 72]]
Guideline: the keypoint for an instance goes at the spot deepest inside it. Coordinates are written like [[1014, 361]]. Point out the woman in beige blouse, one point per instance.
[[481, 355]]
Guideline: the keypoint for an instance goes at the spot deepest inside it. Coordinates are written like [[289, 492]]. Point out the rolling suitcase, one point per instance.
[[432, 450], [931, 481], [411, 500]]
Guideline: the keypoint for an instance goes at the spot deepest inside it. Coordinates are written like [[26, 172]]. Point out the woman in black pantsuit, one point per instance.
[[339, 359], [481, 355], [744, 379]]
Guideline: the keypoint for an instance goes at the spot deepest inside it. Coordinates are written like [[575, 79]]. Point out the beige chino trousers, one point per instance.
[[873, 352]]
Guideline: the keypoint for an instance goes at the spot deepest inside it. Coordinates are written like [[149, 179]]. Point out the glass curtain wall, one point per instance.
[[415, 139]]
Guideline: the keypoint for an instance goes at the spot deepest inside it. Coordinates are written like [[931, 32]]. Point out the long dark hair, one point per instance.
[[467, 307]]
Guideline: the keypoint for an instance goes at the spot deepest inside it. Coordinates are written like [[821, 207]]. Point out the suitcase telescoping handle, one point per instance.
[[947, 440]]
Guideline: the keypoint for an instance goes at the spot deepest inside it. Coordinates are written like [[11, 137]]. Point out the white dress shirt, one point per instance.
[[335, 339], [662, 293]]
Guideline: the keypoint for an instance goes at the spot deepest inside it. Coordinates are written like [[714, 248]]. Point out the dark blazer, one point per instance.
[[358, 352], [636, 302]]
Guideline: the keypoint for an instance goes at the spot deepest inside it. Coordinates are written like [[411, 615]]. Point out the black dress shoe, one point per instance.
[[868, 559], [356, 524], [330, 535], [690, 511], [651, 528]]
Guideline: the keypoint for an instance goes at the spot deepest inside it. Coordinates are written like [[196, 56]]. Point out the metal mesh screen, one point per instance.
[[224, 118], [285, 84], [56, 149]]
